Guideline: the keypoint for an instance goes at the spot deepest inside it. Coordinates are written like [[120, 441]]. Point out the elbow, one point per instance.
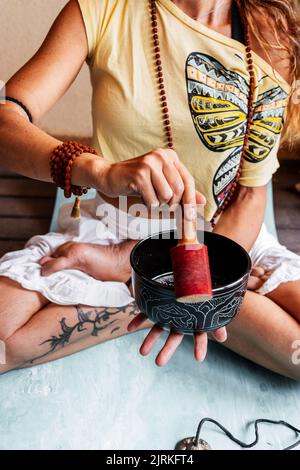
[[254, 197], [9, 115], [5, 117]]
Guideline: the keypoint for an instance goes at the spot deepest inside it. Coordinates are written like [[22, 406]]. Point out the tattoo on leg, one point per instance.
[[99, 319]]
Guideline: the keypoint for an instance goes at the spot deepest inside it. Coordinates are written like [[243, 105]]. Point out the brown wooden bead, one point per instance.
[[164, 105], [61, 163]]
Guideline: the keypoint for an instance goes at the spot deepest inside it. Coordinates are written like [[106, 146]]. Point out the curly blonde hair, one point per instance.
[[283, 17]]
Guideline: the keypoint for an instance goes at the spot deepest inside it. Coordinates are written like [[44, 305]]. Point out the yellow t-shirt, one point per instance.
[[207, 85]]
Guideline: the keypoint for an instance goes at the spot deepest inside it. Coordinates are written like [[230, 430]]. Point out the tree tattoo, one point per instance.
[[98, 319]]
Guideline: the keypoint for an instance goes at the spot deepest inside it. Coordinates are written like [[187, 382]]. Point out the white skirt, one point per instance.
[[72, 287]]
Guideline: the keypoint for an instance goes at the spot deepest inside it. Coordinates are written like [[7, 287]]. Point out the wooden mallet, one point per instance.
[[192, 276]]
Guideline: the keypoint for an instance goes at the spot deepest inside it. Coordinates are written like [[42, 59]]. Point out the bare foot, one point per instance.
[[105, 263]]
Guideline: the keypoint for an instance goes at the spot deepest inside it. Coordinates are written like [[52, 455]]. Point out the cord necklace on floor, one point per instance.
[[197, 443]]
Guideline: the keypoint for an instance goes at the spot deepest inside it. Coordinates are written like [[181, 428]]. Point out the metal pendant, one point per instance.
[[190, 443]]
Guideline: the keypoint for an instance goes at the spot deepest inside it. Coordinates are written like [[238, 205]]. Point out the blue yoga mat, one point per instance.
[[109, 397]]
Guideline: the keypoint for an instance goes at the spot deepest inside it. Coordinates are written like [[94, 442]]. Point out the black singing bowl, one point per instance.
[[153, 287]]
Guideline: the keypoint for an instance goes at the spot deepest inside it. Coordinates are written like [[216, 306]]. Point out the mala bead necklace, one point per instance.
[[164, 102], [63, 156]]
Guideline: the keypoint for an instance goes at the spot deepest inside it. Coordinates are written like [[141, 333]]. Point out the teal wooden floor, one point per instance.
[[109, 397]]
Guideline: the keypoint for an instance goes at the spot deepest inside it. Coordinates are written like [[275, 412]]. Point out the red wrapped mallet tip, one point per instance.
[[192, 278], [190, 261]]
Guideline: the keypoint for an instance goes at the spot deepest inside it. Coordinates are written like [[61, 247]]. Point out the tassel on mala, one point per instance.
[[75, 214]]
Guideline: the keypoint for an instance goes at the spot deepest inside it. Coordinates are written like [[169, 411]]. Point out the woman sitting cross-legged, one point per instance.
[[190, 100]]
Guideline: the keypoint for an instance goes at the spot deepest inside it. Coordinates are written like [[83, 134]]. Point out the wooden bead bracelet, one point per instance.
[[61, 162]]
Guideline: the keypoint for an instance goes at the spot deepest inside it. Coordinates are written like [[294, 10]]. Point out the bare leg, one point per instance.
[[17, 306], [264, 333], [58, 331], [287, 295], [34, 334]]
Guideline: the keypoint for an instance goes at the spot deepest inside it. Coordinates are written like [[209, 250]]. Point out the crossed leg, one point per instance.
[[36, 331], [266, 329]]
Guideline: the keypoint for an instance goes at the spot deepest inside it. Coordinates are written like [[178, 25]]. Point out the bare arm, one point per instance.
[[243, 219], [24, 148], [158, 176]]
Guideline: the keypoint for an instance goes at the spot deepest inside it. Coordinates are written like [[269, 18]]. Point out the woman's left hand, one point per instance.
[[173, 341]]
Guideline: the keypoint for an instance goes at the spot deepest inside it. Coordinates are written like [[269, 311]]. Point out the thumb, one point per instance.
[[54, 265]]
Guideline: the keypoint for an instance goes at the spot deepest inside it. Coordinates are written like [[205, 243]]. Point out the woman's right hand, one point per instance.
[[158, 177]]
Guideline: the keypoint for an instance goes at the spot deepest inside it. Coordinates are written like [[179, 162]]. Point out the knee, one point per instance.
[[5, 332], [7, 327], [287, 358], [294, 360], [10, 356]]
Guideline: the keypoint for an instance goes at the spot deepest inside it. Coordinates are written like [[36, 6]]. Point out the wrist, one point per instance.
[[87, 170]]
